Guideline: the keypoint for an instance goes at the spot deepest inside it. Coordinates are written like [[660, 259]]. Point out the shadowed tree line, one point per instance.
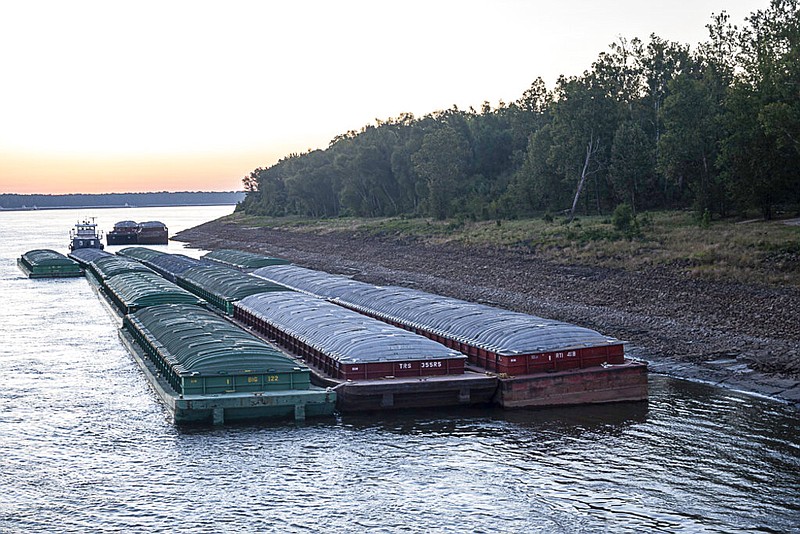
[[13, 201], [652, 124]]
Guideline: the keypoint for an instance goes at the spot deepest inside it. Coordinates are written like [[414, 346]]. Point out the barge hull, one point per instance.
[[391, 393], [469, 389], [53, 273], [615, 383], [121, 239]]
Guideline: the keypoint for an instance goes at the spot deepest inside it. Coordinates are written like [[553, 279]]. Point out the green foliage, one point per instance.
[[705, 220], [624, 221], [623, 218], [649, 125]]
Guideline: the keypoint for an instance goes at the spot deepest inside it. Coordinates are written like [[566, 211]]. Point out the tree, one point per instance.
[[441, 161], [584, 119], [631, 167], [537, 185], [760, 152], [689, 147]]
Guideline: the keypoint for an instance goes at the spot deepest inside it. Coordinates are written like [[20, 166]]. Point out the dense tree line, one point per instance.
[[652, 124]]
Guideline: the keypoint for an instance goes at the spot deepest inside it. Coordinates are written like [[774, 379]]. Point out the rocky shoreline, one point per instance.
[[740, 336]]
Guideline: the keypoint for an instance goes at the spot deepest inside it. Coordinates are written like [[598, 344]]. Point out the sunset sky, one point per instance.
[[193, 95]]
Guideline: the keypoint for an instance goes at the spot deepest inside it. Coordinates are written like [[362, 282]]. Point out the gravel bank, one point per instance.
[[736, 335]]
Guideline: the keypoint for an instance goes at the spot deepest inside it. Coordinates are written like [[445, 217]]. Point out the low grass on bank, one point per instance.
[[766, 252]]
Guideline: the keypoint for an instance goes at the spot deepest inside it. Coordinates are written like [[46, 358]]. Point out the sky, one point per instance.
[[128, 96]]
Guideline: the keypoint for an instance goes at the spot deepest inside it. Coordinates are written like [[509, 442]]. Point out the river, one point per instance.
[[85, 445]]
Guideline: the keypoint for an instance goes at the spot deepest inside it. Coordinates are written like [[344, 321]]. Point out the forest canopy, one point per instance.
[[652, 124]]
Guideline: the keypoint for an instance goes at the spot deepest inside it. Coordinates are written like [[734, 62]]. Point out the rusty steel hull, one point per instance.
[[613, 383]]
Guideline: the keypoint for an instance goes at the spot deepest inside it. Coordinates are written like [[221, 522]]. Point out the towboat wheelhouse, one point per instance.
[[85, 235]]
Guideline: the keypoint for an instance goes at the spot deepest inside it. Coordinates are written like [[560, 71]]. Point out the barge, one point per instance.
[[170, 266], [222, 286], [133, 233], [370, 364], [525, 352], [124, 233], [244, 261], [132, 291], [85, 256], [106, 267], [152, 233], [506, 358], [207, 370], [46, 263], [202, 367]]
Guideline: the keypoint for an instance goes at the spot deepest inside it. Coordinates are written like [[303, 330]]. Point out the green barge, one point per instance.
[[46, 263], [244, 261], [202, 367], [207, 370]]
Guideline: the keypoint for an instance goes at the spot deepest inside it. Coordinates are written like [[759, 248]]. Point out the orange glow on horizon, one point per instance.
[[59, 174]]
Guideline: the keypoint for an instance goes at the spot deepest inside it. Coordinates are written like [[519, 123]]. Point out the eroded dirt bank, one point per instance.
[[737, 335]]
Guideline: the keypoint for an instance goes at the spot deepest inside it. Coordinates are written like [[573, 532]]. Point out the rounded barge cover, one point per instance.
[[135, 290], [108, 266], [241, 259], [85, 256], [140, 253], [200, 352], [42, 263], [222, 286], [492, 329], [348, 339]]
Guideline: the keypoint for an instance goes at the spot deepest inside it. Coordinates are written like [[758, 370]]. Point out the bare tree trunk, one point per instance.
[[591, 148]]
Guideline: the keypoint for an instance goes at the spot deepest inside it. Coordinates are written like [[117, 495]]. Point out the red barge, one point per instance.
[[537, 361], [371, 365]]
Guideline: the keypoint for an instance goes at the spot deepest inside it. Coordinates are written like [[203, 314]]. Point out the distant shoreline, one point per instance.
[[112, 206], [158, 199]]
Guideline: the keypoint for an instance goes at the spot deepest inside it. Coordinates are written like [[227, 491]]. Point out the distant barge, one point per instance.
[[133, 233], [46, 263]]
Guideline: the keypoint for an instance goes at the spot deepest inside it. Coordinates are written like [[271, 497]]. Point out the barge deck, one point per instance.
[[229, 407], [46, 263]]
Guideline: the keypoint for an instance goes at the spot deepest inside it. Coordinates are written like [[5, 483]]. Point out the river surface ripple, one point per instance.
[[85, 446]]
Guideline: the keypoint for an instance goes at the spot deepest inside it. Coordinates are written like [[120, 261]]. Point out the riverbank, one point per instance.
[[731, 333]]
